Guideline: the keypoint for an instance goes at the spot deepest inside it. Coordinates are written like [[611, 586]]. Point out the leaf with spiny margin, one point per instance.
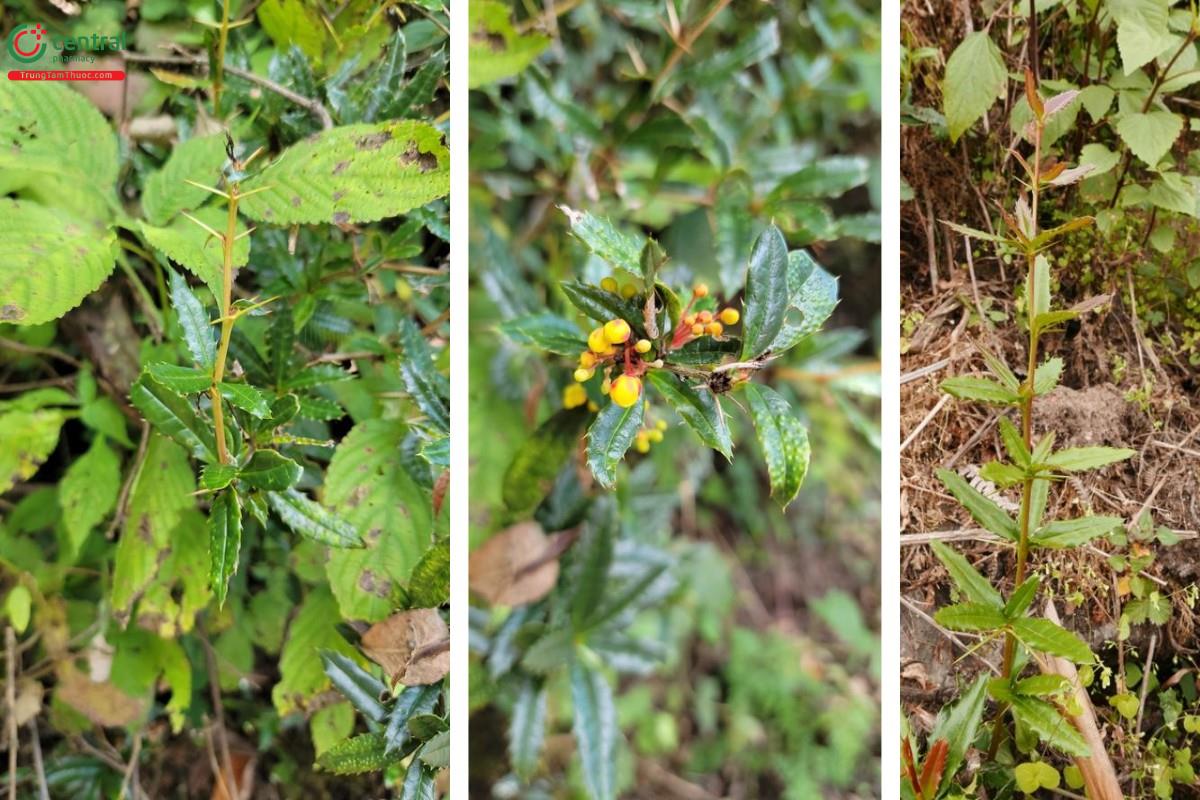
[[412, 702], [830, 177], [247, 398], [167, 191], [356, 755], [958, 725], [595, 728], [698, 408], [539, 459], [703, 352], [982, 509], [547, 331], [767, 293], [172, 414], [419, 782], [610, 436], [270, 469], [1022, 597], [436, 451], [1003, 475], [197, 250], [51, 261], [1047, 375], [1051, 727], [783, 439], [215, 477], [429, 585], [319, 375], [435, 754], [312, 520], [1001, 370], [425, 383], [198, 331], [814, 301], [527, 727], [1014, 443], [602, 305], [591, 558], [1075, 459], [360, 687], [1047, 637], [970, 617], [224, 542], [497, 50], [601, 237], [1042, 685], [1074, 532], [352, 174], [973, 585], [985, 390], [181, 380], [419, 90], [88, 491]]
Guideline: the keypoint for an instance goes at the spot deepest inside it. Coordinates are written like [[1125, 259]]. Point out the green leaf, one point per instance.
[[527, 727], [703, 352], [429, 586], [783, 439], [973, 585], [1096, 100], [833, 176], [970, 617], [1022, 597], [167, 191], [975, 79], [291, 22], [247, 398], [698, 408], [360, 687], [767, 293], [958, 724], [1074, 532], [1042, 685], [412, 702], [172, 415], [984, 390], [102, 415], [354, 173], [1014, 443], [51, 261], [417, 92], [1047, 375], [603, 306], [547, 331], [496, 50], [536, 464], [418, 783], [197, 329], [1003, 475], [386, 80], [1149, 136], [197, 250], [435, 754], [1074, 459], [1047, 637], [609, 438], [436, 451], [814, 299], [215, 477], [1051, 727], [606, 242], [427, 386], [595, 729], [983, 510], [973, 233], [591, 558], [281, 341], [651, 259], [224, 542], [301, 671], [18, 607], [357, 755], [1142, 30], [88, 491], [310, 519], [181, 380], [270, 469]]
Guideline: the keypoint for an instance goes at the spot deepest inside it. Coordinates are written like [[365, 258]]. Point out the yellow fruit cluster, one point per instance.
[[648, 435], [627, 290]]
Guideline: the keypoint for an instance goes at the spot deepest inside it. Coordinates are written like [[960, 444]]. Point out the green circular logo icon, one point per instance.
[[27, 42]]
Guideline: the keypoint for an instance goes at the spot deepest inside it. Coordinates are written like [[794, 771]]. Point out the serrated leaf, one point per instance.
[[435, 754], [1041, 685], [429, 585], [1014, 443], [1022, 597], [548, 331], [1047, 375], [958, 725], [292, 23], [973, 585], [783, 439], [1142, 30], [427, 386], [610, 437], [436, 451], [358, 754], [173, 415], [536, 464], [1051, 727], [1150, 135], [352, 174], [1075, 459], [88, 490], [1047, 637], [703, 352], [496, 50], [247, 398], [312, 520], [215, 477], [418, 91], [975, 79], [412, 702], [418, 783], [974, 617], [832, 176], [527, 727], [360, 687], [606, 242], [985, 390], [198, 333], [595, 728], [592, 556], [51, 261], [197, 250], [983, 510], [181, 380], [698, 408], [1074, 532], [767, 293], [224, 542], [270, 469], [602, 305], [167, 191]]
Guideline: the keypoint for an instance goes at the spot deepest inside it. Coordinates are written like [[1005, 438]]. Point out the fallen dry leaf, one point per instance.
[[413, 647], [505, 570], [102, 703]]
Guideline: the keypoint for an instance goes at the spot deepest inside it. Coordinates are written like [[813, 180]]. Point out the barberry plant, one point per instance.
[[1044, 707]]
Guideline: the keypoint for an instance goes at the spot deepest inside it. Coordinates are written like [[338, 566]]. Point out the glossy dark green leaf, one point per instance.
[[527, 727], [704, 352], [224, 541], [958, 725], [984, 510], [418, 782], [767, 294], [413, 701], [217, 476], [596, 733], [419, 90], [172, 415], [610, 437], [435, 753], [270, 469], [387, 79], [697, 407], [312, 520], [783, 439], [536, 464], [813, 301], [591, 558], [183, 380], [360, 687], [426, 385], [247, 398], [605, 241], [198, 334], [548, 331], [602, 306], [436, 451]]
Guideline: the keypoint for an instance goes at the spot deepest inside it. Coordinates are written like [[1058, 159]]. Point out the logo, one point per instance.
[[27, 43]]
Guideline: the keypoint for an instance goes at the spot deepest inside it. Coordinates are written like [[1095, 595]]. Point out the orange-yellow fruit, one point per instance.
[[582, 374], [626, 390], [642, 346], [697, 329], [642, 443], [628, 290], [704, 317], [574, 396], [701, 290], [688, 320], [609, 285], [654, 436], [661, 424], [598, 344], [587, 359], [730, 316], [714, 329], [616, 331]]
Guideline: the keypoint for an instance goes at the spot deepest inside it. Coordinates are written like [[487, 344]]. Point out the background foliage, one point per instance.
[[744, 658]]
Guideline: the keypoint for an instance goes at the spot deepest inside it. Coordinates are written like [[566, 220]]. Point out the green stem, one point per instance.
[[227, 318], [219, 67]]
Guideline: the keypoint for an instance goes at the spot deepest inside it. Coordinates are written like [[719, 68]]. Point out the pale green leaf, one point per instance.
[[312, 520], [1047, 637], [26, 440], [292, 22], [621, 250], [970, 617], [88, 491], [496, 49], [1142, 30], [1150, 135], [167, 191], [197, 250], [975, 79], [970, 583]]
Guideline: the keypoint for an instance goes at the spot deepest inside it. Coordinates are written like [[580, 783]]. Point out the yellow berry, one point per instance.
[[626, 390], [689, 320], [661, 424], [642, 346], [704, 317], [697, 329], [642, 444], [582, 374], [609, 285], [616, 331], [574, 396], [730, 316], [714, 328], [587, 359], [592, 407], [655, 436], [606, 386], [628, 290], [597, 343], [701, 290]]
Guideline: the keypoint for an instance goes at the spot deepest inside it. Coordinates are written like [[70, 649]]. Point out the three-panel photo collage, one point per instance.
[[581, 400]]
